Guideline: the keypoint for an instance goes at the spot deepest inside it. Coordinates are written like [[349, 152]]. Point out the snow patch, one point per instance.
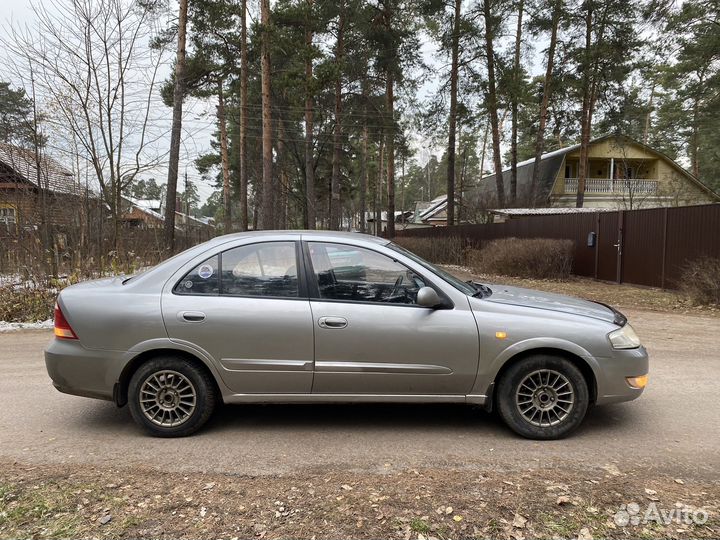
[[14, 326]]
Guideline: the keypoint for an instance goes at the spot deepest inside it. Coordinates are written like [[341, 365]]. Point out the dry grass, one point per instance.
[[701, 281], [438, 250], [61, 501], [542, 258], [26, 304]]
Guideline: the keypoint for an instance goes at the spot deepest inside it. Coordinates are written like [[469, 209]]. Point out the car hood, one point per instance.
[[518, 296]]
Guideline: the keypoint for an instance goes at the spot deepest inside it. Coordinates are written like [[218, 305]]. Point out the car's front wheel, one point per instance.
[[543, 397], [171, 397]]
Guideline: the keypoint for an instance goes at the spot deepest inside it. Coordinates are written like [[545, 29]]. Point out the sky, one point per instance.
[[198, 116]]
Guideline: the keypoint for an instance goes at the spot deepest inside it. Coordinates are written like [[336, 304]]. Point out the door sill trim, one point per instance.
[[355, 398]]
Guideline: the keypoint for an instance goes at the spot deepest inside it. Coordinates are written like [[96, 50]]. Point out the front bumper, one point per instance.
[[83, 372], [613, 386]]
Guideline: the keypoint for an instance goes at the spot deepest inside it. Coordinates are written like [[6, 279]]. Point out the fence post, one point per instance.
[[597, 242], [664, 248], [620, 247]]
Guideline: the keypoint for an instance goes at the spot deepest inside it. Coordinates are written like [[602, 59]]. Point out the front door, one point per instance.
[[243, 307], [609, 246], [372, 338]]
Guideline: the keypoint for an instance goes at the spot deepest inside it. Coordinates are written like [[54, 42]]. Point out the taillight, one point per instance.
[[62, 328]]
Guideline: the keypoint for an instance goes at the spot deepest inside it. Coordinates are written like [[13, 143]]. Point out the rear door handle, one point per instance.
[[332, 322], [191, 316]]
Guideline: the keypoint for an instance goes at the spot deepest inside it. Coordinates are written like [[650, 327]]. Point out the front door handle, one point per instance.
[[332, 322], [191, 316]]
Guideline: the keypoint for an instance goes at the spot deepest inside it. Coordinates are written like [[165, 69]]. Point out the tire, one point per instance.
[[543, 397], [179, 397]]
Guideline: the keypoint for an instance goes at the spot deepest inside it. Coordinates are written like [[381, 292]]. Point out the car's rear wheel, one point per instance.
[[171, 397], [543, 397]]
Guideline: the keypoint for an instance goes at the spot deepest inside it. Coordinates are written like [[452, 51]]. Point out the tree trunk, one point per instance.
[[492, 104], [390, 96], [378, 189], [310, 214], [267, 218], [648, 115], [590, 81], [335, 216], [227, 207], [452, 121], [282, 192], [514, 106], [694, 139], [43, 190], [461, 205], [176, 130], [243, 118], [364, 164], [547, 92]]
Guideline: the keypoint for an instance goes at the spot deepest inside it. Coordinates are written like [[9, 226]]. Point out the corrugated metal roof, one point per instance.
[[547, 211]]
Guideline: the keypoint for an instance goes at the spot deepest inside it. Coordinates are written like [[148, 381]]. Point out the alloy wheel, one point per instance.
[[545, 398], [167, 398]]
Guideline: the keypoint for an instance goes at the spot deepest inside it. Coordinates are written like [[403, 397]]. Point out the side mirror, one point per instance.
[[427, 297]]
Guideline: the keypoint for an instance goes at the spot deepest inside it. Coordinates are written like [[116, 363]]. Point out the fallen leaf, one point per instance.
[[650, 491], [346, 487], [519, 521], [448, 510], [457, 518], [612, 469], [209, 485], [584, 534], [679, 481], [107, 518], [563, 499]]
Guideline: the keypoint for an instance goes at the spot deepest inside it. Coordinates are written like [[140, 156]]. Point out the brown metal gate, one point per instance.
[[608, 249]]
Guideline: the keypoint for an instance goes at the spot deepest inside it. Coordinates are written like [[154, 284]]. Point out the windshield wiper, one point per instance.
[[481, 291]]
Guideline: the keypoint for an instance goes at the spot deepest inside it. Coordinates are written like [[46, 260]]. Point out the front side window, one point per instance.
[[266, 269], [357, 274]]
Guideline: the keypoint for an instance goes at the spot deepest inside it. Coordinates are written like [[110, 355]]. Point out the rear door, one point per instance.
[[370, 335], [247, 308]]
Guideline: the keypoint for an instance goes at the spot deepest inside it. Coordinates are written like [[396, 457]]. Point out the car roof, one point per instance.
[[302, 234]]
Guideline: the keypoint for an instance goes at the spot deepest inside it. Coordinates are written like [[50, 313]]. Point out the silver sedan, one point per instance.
[[308, 317]]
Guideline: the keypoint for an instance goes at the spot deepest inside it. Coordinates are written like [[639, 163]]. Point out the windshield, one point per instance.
[[460, 285]]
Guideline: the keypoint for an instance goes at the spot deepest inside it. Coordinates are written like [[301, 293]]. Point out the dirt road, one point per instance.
[[672, 428]]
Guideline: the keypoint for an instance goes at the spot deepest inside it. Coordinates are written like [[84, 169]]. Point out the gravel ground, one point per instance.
[[72, 467]]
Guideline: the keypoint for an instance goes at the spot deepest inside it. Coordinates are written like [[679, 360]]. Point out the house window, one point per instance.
[[7, 215], [570, 170]]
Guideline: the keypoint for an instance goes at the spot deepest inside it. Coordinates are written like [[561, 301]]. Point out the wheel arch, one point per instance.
[[120, 390], [580, 362]]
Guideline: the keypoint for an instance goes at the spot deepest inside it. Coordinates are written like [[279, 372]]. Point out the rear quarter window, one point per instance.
[[203, 279]]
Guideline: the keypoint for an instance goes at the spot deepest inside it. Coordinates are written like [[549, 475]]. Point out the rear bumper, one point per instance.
[[612, 384], [83, 372]]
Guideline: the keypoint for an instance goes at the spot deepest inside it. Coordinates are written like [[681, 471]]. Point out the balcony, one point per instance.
[[609, 186]]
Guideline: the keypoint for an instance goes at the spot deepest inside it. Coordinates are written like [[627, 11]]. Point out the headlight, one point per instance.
[[624, 338]]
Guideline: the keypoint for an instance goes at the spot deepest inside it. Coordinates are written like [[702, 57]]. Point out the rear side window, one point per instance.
[[265, 269], [203, 279]]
